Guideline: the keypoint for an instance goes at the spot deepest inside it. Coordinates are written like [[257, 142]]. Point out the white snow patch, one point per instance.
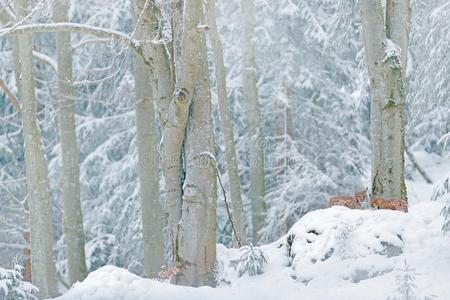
[[336, 251]]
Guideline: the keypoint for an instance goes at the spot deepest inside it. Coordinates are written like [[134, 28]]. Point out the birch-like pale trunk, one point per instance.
[[146, 30], [387, 94], [197, 239], [372, 15], [41, 231], [72, 214], [256, 142], [226, 125], [177, 116]]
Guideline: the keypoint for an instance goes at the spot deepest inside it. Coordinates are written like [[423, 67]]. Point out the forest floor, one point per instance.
[[329, 254]]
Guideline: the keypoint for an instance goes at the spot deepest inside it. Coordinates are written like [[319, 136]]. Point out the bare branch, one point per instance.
[[13, 246], [90, 41], [10, 95], [46, 59], [75, 27]]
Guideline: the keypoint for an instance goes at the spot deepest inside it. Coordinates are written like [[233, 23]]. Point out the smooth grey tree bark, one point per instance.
[[5, 18], [385, 63], [197, 237], [256, 142], [146, 30], [186, 60], [173, 115], [188, 146], [177, 7], [226, 126], [72, 214], [41, 231], [176, 112]]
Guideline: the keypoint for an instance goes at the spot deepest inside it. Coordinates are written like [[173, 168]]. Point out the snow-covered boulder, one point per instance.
[[339, 243]]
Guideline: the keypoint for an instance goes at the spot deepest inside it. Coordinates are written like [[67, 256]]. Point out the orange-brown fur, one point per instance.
[[353, 202], [392, 204]]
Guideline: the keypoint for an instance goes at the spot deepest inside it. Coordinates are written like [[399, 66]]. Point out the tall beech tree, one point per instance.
[[256, 142], [386, 42], [240, 236], [72, 214], [146, 30], [36, 168]]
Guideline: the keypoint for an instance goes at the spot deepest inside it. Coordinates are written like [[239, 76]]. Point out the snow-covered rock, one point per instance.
[[334, 253]]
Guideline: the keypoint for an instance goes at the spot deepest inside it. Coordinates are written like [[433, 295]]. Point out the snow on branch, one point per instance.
[[46, 59], [76, 27], [393, 54]]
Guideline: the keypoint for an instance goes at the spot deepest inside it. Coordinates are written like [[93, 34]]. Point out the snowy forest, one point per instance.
[[224, 149]]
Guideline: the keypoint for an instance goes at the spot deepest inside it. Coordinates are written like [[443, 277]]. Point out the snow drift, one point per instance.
[[334, 253]]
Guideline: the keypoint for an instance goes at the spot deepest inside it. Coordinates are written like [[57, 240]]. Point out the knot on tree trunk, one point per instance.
[[181, 95]]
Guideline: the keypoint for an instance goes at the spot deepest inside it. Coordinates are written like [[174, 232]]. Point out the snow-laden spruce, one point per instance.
[[441, 193], [12, 286], [337, 251]]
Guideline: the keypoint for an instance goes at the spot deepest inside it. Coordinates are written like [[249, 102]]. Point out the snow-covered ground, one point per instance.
[[334, 253]]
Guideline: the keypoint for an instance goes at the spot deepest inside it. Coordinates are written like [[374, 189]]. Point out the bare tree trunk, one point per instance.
[[146, 30], [72, 217], [256, 143], [41, 231], [226, 125], [27, 257], [387, 120], [5, 18], [192, 228], [177, 7], [198, 226], [176, 114]]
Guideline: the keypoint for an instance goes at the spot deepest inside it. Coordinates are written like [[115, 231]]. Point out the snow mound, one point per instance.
[[339, 243], [334, 253]]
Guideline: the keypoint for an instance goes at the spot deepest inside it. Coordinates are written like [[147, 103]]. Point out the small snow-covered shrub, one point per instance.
[[99, 251], [12, 286], [406, 286], [441, 193], [251, 262], [441, 189]]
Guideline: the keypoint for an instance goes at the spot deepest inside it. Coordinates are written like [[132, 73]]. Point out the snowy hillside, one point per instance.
[[334, 253]]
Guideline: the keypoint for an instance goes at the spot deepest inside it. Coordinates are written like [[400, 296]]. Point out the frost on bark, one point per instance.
[[146, 30], [226, 126], [256, 143], [72, 214], [386, 49], [197, 235], [41, 232]]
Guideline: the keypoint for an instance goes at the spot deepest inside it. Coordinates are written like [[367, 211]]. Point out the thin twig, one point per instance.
[[214, 162], [228, 210], [10, 95]]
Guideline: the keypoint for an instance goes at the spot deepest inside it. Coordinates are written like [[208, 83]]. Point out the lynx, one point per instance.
[[392, 204], [353, 202]]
